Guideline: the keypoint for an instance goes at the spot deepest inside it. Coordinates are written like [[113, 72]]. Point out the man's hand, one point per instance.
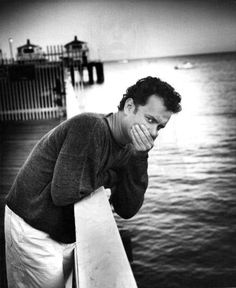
[[141, 138]]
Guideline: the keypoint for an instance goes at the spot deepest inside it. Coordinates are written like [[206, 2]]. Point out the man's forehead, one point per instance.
[[154, 105], [155, 100]]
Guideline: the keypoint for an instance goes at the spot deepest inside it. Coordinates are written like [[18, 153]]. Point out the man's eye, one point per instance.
[[150, 120]]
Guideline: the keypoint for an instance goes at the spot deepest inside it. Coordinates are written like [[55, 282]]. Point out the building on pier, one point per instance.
[[29, 52], [78, 50]]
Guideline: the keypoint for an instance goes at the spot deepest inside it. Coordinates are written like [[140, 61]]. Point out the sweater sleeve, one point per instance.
[[76, 172], [128, 194]]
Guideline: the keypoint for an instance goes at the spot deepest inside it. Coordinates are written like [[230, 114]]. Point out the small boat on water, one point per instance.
[[185, 65]]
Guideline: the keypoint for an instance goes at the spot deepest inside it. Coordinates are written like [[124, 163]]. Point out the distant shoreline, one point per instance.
[[168, 57]]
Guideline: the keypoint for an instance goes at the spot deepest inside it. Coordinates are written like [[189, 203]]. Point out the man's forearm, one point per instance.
[[128, 193]]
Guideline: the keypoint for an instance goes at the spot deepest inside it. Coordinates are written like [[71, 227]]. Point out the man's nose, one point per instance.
[[154, 132]]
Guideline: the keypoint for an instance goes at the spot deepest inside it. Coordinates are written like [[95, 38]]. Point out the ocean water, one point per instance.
[[185, 233]]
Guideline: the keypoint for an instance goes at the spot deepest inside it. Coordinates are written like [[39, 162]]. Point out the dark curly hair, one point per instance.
[[148, 86]]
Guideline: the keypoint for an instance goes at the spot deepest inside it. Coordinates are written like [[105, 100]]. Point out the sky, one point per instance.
[[130, 29]]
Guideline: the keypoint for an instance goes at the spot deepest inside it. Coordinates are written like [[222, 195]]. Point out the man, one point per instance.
[[67, 164]]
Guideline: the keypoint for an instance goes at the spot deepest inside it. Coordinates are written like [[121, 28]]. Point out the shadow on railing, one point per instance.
[[100, 257]]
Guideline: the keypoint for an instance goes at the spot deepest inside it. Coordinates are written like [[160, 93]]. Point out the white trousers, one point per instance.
[[33, 259]]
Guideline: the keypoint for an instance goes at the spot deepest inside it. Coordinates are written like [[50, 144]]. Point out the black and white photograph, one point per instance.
[[117, 144]]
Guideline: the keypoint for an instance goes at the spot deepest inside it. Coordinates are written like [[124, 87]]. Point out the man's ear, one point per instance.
[[129, 106]]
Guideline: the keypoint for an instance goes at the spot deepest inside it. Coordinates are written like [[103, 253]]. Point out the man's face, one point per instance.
[[153, 115]]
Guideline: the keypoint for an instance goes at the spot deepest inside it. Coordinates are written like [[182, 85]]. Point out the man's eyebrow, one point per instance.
[[157, 120], [153, 118]]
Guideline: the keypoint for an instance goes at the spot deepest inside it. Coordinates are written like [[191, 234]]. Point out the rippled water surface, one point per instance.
[[185, 233]]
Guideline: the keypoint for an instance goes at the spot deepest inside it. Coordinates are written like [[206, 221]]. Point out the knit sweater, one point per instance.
[[67, 164]]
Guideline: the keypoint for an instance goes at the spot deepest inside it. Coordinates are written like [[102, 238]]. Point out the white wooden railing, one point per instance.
[[100, 258]]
